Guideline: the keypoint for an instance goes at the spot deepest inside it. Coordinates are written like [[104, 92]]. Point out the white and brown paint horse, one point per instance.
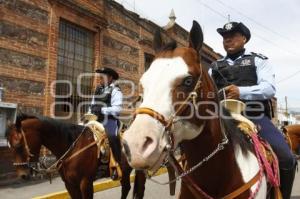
[[178, 99]]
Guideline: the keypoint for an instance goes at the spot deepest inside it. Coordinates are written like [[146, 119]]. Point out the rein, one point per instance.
[[170, 148], [55, 165], [169, 123], [26, 146], [29, 154]]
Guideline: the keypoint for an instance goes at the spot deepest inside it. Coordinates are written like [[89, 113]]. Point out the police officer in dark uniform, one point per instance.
[[107, 105], [249, 77]]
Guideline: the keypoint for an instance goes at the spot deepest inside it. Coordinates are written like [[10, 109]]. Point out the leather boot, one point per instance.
[[115, 145], [114, 168], [286, 182], [115, 158]]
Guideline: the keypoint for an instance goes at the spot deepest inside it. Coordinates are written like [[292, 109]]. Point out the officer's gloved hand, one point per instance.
[[96, 110]]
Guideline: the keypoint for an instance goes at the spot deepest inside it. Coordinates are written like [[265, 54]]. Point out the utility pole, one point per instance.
[[286, 107]]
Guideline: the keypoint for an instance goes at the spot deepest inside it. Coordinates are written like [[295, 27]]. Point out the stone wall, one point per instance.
[[22, 85], [26, 9], [22, 60], [23, 47], [120, 46], [29, 31], [22, 34]]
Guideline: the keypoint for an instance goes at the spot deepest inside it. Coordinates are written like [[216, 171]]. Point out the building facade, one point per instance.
[[45, 46]]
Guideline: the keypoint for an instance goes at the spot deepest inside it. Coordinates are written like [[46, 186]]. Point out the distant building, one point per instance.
[[43, 41], [285, 118]]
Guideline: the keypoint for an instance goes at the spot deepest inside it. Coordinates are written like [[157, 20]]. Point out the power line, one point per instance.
[[215, 11], [278, 46], [256, 22], [289, 76], [264, 39], [261, 37]]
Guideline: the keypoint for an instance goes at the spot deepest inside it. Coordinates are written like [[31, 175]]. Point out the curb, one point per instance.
[[98, 186]]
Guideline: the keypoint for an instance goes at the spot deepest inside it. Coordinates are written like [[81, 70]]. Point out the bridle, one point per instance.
[[168, 124], [29, 155], [170, 147], [36, 166]]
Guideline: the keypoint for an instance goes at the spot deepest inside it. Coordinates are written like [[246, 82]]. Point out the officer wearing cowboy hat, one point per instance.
[[107, 105], [249, 77]]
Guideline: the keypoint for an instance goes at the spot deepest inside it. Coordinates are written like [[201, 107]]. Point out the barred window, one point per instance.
[[75, 57]]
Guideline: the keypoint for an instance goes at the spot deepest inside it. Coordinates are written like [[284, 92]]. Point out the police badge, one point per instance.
[[246, 62], [228, 26]]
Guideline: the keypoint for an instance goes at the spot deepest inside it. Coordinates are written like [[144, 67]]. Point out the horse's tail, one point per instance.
[[22, 116]]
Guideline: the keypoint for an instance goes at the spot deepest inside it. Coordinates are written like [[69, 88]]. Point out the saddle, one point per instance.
[[263, 151], [104, 153]]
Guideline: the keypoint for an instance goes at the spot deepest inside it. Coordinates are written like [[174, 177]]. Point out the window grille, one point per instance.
[[75, 56]]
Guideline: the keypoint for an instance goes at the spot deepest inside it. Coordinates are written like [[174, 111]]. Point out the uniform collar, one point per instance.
[[112, 85], [246, 53]]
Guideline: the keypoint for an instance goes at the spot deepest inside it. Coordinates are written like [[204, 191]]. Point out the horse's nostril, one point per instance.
[[148, 141], [126, 150]]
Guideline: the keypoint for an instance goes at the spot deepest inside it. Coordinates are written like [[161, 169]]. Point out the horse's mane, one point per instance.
[[235, 135], [169, 46], [21, 117], [67, 131], [18, 124]]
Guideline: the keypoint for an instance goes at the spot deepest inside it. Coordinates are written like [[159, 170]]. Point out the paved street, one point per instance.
[[153, 190]]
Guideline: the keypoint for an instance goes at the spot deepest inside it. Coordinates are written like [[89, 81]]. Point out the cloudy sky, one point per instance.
[[275, 28]]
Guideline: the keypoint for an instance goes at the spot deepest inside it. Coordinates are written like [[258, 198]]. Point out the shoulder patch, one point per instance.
[[259, 55]]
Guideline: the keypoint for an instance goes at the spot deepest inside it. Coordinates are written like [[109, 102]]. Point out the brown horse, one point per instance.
[[293, 133], [182, 108], [30, 132]]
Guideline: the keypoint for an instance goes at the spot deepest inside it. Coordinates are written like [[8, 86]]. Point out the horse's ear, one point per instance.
[[157, 41], [196, 36]]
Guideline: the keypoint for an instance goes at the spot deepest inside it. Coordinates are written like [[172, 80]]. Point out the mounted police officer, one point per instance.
[[249, 77], [107, 104]]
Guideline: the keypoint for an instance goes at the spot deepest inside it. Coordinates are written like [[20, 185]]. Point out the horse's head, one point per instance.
[[24, 144], [172, 86]]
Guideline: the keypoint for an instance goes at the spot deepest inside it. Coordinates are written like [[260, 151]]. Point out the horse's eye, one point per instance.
[[188, 81]]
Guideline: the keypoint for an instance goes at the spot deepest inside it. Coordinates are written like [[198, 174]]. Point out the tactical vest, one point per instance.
[[241, 73], [103, 99], [103, 95]]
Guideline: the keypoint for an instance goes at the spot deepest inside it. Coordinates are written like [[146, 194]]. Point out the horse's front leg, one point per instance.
[[125, 181], [70, 184], [86, 188], [73, 190], [139, 185]]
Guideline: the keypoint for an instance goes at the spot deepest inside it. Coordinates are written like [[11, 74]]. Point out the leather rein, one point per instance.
[[170, 147], [57, 164], [27, 150]]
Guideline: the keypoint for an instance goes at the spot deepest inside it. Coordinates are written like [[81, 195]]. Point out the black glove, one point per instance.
[[96, 109]]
